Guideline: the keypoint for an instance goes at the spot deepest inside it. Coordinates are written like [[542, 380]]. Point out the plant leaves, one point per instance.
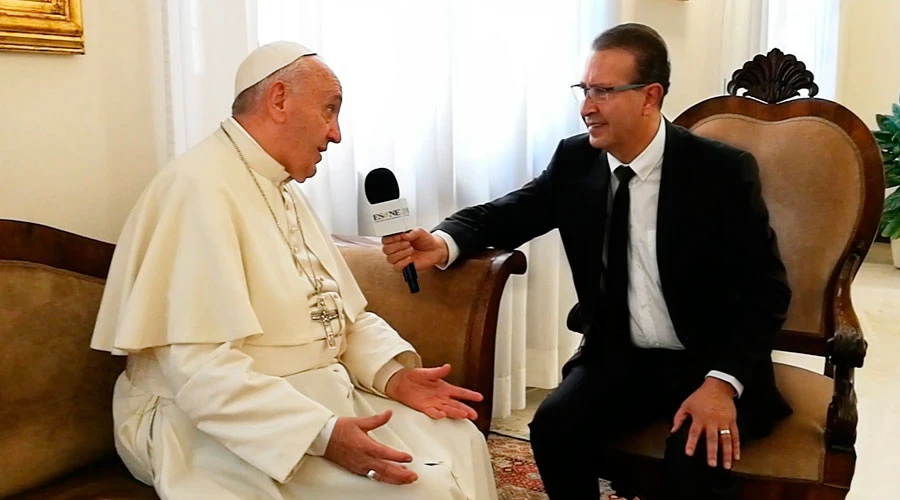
[[888, 140], [883, 137], [892, 176], [890, 216], [891, 228], [892, 202], [886, 122]]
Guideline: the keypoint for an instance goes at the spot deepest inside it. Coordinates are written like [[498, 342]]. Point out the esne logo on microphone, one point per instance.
[[391, 214]]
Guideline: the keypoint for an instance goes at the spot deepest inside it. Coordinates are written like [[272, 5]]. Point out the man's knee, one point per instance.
[[552, 418], [691, 476], [676, 445], [680, 464], [678, 439], [564, 422], [541, 427]]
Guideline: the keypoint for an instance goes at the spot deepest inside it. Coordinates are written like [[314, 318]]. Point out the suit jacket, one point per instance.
[[721, 275]]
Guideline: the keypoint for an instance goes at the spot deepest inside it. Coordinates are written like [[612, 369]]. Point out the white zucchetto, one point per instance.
[[264, 61]]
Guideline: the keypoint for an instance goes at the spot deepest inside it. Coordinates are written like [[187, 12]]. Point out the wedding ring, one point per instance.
[[724, 432], [371, 474]]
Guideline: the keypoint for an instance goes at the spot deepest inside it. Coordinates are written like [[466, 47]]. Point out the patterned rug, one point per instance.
[[516, 473]]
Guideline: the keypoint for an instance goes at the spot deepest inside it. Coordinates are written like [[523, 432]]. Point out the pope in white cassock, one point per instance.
[[254, 371]]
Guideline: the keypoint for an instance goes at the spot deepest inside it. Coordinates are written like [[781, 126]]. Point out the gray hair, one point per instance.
[[250, 98]]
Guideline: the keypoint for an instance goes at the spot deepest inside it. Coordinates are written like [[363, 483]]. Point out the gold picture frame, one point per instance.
[[48, 26]]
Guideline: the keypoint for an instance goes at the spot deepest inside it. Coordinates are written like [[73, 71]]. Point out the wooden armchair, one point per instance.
[[56, 434], [823, 182]]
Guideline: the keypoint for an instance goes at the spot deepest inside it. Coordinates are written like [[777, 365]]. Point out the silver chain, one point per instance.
[[315, 280]]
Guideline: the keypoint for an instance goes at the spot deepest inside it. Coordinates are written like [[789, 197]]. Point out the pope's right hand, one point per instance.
[[416, 246], [351, 447]]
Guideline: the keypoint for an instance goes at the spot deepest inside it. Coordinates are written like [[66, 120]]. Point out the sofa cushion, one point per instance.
[[795, 449], [55, 397]]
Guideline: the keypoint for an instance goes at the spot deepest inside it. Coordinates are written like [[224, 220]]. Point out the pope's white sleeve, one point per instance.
[[320, 444], [384, 375], [371, 347], [260, 418]]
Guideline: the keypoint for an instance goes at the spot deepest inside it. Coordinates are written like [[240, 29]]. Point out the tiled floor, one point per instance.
[[876, 298]]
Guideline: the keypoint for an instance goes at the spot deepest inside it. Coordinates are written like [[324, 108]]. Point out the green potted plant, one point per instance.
[[888, 138]]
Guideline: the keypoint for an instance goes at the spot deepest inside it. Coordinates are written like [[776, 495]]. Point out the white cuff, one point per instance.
[[738, 386], [320, 444], [384, 375], [452, 248]]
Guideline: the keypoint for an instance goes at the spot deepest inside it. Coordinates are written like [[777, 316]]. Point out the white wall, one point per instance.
[[80, 136], [869, 57], [693, 32], [702, 54]]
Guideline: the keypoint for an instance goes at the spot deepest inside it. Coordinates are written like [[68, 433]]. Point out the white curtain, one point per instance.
[[464, 100], [808, 29], [744, 23], [205, 42]]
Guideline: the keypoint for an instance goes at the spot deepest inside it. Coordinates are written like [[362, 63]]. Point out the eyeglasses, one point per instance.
[[600, 94]]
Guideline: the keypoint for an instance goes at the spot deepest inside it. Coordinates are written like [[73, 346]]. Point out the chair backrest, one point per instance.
[[821, 176]]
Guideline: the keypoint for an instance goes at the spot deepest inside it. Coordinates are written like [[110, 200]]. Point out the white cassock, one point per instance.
[[230, 382]]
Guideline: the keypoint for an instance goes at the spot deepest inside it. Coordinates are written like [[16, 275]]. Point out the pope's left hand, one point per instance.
[[425, 390]]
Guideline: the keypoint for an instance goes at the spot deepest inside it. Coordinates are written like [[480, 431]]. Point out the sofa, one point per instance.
[[56, 439]]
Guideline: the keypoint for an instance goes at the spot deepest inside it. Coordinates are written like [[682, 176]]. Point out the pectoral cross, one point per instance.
[[325, 316]]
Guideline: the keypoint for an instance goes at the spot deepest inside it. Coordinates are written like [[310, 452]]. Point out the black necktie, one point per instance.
[[617, 256]]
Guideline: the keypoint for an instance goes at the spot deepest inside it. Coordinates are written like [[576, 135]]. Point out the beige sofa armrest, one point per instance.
[[453, 318]]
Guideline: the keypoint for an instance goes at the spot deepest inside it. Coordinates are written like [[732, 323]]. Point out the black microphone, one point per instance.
[[390, 214]]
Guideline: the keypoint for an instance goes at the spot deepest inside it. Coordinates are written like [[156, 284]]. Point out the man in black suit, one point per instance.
[[681, 289]]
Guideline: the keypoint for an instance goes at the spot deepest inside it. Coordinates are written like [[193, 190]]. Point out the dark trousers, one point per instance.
[[603, 395]]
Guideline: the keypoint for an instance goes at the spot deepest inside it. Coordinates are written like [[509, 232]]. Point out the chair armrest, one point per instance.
[[453, 318], [846, 351]]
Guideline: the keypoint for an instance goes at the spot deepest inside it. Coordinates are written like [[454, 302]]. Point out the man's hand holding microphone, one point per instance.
[[418, 247]]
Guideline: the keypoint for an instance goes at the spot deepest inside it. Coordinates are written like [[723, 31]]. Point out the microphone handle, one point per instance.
[[412, 279]]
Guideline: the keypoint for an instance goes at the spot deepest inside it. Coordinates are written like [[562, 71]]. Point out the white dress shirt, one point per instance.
[[651, 326]]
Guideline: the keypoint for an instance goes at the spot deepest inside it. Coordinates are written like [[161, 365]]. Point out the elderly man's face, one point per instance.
[[312, 110], [612, 122]]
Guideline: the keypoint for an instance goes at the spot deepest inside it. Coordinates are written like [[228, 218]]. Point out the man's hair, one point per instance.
[[250, 98], [649, 49]]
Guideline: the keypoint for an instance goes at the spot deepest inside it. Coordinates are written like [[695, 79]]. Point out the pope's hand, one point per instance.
[[417, 246], [425, 390], [351, 447]]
